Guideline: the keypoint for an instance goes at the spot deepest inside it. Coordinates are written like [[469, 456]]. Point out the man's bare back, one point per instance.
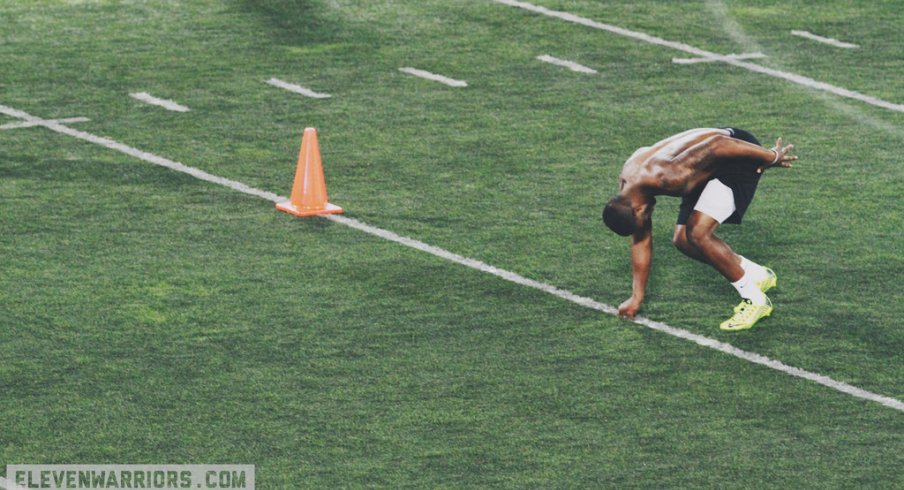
[[673, 166]]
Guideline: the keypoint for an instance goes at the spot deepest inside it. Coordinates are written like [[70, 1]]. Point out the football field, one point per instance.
[[455, 327]]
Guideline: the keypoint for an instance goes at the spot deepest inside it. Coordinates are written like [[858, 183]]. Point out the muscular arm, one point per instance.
[[641, 258], [728, 148]]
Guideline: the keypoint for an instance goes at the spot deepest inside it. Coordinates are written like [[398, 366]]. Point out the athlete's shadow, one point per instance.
[[305, 23]]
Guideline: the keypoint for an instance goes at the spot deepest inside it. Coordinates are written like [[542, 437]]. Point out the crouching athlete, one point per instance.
[[716, 172]]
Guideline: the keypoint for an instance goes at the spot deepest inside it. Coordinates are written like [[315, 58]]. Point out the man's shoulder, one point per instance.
[[638, 152]]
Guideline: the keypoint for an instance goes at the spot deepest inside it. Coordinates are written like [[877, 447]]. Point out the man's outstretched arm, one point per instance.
[[725, 147], [641, 258]]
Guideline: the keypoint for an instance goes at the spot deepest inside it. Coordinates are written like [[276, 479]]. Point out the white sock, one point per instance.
[[748, 289], [756, 271]]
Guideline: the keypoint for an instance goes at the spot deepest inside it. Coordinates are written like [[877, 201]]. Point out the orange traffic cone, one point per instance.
[[309, 196]]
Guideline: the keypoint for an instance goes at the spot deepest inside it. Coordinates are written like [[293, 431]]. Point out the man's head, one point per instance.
[[619, 215]]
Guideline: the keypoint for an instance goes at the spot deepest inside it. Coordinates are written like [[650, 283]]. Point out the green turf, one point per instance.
[[148, 317]]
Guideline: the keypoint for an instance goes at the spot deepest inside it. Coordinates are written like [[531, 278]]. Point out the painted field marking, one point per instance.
[[298, 89], [691, 61], [166, 104], [31, 124], [640, 36], [571, 65], [142, 155], [824, 40], [701, 340], [433, 76]]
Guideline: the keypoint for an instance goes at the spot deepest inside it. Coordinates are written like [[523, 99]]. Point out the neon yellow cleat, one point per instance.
[[746, 314], [769, 282]]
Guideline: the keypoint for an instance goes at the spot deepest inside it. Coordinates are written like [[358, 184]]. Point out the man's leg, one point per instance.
[[679, 239], [701, 240], [715, 204], [755, 304], [763, 276]]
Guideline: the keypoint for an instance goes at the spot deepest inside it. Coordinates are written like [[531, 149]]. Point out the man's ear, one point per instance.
[[643, 214], [644, 210]]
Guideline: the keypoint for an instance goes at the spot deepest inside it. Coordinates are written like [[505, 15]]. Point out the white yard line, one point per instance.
[[298, 89], [824, 40], [571, 65], [691, 61], [128, 150], [640, 36], [29, 124], [602, 307], [468, 262], [433, 76], [166, 104]]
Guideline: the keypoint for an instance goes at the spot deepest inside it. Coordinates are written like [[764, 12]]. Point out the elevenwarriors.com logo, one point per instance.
[[121, 477]]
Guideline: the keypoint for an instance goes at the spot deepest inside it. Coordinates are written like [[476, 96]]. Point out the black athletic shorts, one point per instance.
[[741, 177]]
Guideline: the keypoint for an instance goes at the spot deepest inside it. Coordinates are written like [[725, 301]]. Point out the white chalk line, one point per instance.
[[31, 124], [824, 40], [640, 36], [433, 76], [166, 104], [298, 89], [720, 11], [743, 56], [571, 65], [472, 263], [602, 307], [128, 150]]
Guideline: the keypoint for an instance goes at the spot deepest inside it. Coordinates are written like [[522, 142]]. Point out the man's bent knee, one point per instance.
[[700, 228], [679, 239]]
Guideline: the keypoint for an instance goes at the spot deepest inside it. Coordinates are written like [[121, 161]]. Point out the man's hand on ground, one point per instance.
[[629, 308]]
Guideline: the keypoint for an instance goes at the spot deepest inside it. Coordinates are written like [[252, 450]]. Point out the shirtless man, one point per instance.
[[716, 172]]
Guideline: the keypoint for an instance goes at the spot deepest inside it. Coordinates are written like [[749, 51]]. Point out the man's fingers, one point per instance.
[[784, 154], [782, 159]]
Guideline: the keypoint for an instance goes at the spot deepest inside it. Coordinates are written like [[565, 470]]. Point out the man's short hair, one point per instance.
[[619, 216]]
